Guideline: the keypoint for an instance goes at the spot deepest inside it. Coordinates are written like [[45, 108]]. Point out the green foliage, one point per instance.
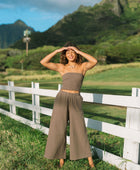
[[123, 53], [13, 61], [32, 61], [8, 58], [105, 52], [2, 63]]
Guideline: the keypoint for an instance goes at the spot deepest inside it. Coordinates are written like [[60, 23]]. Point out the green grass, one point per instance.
[[124, 74], [23, 147], [99, 139]]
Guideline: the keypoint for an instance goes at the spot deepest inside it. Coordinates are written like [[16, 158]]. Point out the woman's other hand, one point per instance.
[[61, 49], [74, 49]]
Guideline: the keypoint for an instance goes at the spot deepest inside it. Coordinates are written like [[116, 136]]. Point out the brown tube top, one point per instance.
[[72, 81]]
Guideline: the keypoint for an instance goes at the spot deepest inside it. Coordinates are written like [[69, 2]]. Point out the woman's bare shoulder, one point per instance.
[[61, 68], [60, 65], [83, 67]]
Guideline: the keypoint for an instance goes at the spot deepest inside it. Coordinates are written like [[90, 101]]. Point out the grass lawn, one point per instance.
[[22, 147]]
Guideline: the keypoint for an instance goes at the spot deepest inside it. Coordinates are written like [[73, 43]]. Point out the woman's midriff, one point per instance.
[[70, 91]]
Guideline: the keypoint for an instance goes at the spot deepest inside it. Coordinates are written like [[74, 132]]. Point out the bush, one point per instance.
[[123, 53]]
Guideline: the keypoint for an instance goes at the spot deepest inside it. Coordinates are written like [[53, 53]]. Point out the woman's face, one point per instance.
[[71, 55]]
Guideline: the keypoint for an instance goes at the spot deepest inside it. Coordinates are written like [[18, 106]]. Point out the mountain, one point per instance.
[[117, 5], [110, 20], [10, 33], [120, 5]]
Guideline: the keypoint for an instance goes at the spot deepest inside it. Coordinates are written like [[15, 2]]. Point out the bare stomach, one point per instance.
[[70, 91]]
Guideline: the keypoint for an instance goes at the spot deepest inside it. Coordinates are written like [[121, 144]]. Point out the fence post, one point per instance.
[[35, 102], [12, 97], [59, 87], [131, 149]]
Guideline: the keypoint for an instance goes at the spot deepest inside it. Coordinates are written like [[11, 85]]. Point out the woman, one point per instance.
[[68, 106]]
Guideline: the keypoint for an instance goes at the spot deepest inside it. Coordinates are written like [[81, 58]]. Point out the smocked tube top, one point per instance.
[[72, 81]]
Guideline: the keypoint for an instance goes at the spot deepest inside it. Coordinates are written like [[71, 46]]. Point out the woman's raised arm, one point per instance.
[[53, 66]]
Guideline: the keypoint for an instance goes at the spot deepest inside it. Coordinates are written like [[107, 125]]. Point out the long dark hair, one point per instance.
[[64, 60]]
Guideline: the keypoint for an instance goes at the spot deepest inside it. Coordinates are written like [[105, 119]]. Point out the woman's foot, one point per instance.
[[91, 162], [61, 163]]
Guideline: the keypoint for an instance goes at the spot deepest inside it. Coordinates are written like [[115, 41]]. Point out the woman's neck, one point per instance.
[[70, 63]]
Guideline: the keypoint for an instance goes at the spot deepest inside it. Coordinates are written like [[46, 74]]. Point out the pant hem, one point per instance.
[[81, 156], [59, 157]]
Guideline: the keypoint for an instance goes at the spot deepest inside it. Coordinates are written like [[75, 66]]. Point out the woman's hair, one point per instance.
[[64, 60]]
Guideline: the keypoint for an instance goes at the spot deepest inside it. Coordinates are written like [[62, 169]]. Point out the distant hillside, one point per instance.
[[134, 4], [10, 33], [108, 21], [118, 6]]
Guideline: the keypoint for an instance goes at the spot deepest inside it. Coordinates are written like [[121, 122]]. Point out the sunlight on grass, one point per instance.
[[49, 75], [23, 148]]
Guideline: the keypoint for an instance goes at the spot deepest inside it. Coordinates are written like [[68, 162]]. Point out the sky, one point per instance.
[[39, 14]]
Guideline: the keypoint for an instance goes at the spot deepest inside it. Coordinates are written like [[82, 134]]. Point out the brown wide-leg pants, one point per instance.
[[67, 106]]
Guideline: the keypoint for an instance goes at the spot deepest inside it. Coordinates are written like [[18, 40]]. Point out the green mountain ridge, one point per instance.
[[108, 20], [10, 33]]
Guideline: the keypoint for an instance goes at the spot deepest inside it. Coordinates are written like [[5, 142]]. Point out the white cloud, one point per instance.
[[4, 5], [58, 6], [52, 17], [62, 6], [33, 9]]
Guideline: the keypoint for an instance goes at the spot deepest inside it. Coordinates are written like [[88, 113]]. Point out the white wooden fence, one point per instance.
[[130, 133]]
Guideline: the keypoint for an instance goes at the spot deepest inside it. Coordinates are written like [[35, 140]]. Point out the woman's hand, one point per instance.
[[74, 49], [67, 48], [61, 49]]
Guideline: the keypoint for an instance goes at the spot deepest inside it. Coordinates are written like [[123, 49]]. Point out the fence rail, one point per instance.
[[130, 133]]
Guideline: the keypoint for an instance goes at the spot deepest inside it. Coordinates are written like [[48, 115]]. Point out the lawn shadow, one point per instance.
[[106, 91], [104, 115]]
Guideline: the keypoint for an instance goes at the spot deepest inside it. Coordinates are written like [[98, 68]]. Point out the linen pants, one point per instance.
[[67, 106]]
